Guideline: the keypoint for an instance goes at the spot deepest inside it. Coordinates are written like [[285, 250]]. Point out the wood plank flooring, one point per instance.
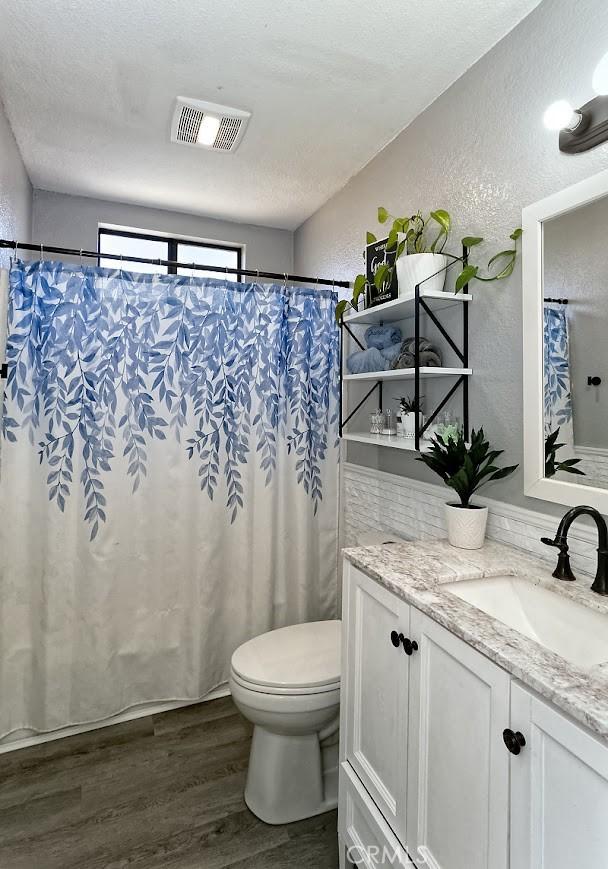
[[163, 791]]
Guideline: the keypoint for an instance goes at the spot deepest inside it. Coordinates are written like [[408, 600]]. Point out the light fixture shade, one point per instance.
[[599, 81]]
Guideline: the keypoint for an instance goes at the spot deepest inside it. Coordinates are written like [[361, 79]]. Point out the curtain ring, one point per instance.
[[41, 252], [81, 266]]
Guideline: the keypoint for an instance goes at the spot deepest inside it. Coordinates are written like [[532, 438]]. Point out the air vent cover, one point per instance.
[[208, 125]]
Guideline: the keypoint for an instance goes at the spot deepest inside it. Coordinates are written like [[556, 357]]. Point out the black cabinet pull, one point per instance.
[[410, 646], [514, 740]]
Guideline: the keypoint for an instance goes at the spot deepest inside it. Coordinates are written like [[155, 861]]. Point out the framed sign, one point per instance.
[[375, 254]]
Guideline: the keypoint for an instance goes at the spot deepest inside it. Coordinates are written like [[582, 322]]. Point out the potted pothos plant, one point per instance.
[[418, 244], [465, 468]]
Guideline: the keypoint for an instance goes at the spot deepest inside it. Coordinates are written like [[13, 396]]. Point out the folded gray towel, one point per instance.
[[430, 356], [382, 336]]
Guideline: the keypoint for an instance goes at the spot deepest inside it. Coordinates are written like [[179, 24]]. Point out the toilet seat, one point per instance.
[[299, 659], [280, 692]]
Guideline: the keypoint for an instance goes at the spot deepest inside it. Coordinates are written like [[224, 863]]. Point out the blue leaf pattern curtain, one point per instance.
[[171, 433], [557, 394]]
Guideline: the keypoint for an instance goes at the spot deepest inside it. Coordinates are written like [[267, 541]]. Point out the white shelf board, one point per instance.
[[403, 307], [392, 441], [408, 374]]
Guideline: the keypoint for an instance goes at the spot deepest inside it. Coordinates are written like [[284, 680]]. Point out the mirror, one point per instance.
[[565, 261]]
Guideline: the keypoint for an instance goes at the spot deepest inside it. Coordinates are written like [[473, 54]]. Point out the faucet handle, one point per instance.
[[563, 569]]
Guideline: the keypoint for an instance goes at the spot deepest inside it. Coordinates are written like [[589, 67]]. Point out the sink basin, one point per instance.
[[577, 633]]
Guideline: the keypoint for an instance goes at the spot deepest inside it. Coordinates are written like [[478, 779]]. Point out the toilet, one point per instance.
[[287, 683]]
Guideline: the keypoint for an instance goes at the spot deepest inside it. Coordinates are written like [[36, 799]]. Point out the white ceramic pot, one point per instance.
[[414, 268], [408, 420], [466, 526]]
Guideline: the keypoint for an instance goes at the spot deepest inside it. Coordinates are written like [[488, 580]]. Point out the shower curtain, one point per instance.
[[557, 394], [168, 484]]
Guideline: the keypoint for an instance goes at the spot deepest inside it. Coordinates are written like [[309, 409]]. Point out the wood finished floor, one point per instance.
[[163, 791]]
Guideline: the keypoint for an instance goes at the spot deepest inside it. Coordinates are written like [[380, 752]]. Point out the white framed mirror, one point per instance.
[[565, 345]]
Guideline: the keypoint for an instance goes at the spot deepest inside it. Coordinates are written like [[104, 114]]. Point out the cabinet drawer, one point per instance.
[[368, 839]]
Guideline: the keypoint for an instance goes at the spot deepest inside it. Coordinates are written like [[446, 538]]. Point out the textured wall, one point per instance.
[[15, 190], [71, 221], [482, 152], [576, 267]]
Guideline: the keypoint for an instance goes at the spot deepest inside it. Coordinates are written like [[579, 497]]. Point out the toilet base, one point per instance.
[[291, 777]]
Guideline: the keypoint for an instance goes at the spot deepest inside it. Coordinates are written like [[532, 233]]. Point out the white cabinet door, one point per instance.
[[375, 700], [458, 800], [559, 790]]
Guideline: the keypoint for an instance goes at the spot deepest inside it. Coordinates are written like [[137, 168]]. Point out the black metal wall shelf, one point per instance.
[[411, 306]]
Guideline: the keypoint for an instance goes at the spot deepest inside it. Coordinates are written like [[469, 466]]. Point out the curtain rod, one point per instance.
[[556, 301], [65, 251]]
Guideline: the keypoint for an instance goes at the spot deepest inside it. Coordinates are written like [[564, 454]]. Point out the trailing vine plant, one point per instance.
[[410, 235]]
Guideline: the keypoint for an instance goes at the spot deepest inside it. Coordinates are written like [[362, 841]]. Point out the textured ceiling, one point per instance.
[[89, 89]]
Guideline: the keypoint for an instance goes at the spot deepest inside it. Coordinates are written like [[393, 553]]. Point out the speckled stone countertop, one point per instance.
[[416, 571]]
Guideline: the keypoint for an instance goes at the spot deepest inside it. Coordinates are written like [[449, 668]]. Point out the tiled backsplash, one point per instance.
[[377, 501]]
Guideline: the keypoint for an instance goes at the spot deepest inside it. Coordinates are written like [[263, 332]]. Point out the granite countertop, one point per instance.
[[416, 571]]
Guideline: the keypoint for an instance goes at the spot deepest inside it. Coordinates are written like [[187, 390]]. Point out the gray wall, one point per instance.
[[15, 190], [480, 151], [71, 221], [575, 253]]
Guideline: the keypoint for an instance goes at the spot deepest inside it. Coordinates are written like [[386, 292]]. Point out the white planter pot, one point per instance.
[[414, 268], [466, 526], [408, 421]]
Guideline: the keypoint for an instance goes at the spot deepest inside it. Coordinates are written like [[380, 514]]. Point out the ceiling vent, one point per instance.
[[208, 125]]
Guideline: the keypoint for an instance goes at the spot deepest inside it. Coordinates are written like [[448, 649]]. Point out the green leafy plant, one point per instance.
[[408, 235], [552, 466], [465, 467], [502, 262], [409, 405]]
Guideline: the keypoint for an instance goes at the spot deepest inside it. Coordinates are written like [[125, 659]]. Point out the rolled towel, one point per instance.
[[391, 353], [430, 356], [382, 336], [364, 361]]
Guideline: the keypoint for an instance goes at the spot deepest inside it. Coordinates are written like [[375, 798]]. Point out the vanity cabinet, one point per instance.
[[458, 776], [559, 790], [374, 722], [427, 769]]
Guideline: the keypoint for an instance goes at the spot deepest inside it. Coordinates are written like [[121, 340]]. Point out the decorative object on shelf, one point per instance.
[[448, 427], [377, 254], [376, 422], [383, 345], [390, 423], [429, 355], [408, 408], [552, 466], [408, 252], [465, 468]]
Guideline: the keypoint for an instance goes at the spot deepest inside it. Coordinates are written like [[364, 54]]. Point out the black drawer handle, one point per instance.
[[514, 740], [409, 646]]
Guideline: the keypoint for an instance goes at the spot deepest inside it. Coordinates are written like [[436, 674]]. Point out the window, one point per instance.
[[141, 244]]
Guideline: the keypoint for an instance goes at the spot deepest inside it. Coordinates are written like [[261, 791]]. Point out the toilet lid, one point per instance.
[[304, 656]]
